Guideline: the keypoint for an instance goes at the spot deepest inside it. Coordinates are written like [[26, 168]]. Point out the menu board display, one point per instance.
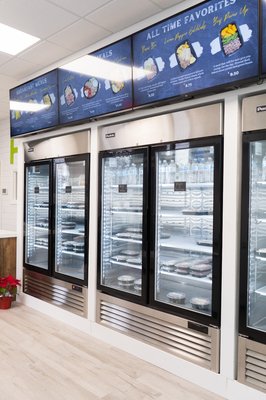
[[35, 105], [213, 44], [101, 84], [263, 37]]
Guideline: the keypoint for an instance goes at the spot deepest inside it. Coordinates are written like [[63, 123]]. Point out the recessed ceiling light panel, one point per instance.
[[13, 41]]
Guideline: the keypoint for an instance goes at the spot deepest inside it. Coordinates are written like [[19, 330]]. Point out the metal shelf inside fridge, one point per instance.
[[127, 212], [260, 258], [203, 282], [261, 291], [38, 246], [72, 253], [128, 240], [72, 209], [41, 228], [73, 232], [122, 264], [186, 244]]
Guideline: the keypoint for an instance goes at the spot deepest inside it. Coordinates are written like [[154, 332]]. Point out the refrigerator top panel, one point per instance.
[[254, 113], [60, 146], [181, 125]]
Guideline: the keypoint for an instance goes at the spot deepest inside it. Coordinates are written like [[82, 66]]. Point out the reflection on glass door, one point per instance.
[[70, 198], [37, 215], [256, 274], [184, 228], [122, 223]]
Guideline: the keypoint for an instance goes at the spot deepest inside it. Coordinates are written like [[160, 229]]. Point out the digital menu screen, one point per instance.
[[96, 84], [34, 105], [263, 25], [213, 44]]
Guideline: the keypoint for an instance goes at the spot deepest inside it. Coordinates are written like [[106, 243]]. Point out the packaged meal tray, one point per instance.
[[182, 268], [69, 95], [117, 86], [150, 67], [90, 88], [185, 55], [200, 270], [132, 253], [200, 303], [230, 37], [168, 266], [138, 284], [176, 297], [126, 280]]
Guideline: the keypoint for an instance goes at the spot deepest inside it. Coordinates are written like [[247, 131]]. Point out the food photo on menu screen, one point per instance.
[[96, 84], [211, 45], [34, 105]]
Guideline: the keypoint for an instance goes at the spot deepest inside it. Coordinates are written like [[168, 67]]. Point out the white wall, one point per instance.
[[8, 203]]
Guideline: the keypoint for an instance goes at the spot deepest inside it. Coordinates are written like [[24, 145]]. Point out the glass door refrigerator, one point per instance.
[[252, 299], [38, 212], [56, 218], [71, 218], [123, 223], [186, 229], [159, 243]]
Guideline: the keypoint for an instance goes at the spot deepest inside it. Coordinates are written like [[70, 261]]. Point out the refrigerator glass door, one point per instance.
[[37, 216], [122, 222], [70, 218], [256, 278], [184, 228]]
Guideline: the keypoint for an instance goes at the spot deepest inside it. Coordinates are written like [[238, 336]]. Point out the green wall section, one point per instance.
[[13, 151]]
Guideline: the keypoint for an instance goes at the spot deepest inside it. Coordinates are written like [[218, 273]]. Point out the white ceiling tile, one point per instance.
[[18, 68], [80, 7], [44, 54], [79, 35], [163, 4], [38, 18], [4, 58], [115, 16]]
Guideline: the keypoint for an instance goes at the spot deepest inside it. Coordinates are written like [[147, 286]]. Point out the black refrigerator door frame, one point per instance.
[[143, 298], [244, 329], [50, 216], [214, 318], [81, 157]]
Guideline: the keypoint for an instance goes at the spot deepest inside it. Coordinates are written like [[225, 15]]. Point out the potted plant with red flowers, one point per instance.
[[8, 290]]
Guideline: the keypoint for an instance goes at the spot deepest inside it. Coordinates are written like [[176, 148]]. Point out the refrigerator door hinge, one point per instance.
[[243, 336], [214, 326]]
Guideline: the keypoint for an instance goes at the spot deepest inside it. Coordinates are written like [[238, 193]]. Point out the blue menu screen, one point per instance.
[[42, 92], [213, 44], [101, 84]]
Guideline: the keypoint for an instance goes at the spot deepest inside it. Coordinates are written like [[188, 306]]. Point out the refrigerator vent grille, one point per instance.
[[56, 292], [256, 369], [186, 343], [252, 363]]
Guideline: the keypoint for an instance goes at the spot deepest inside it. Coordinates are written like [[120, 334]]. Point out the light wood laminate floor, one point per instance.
[[43, 359]]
